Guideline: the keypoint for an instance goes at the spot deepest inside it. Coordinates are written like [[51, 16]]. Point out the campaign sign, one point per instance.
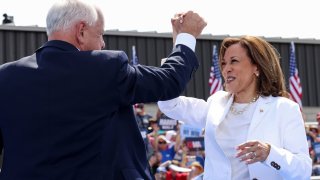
[[166, 123], [189, 131], [195, 143]]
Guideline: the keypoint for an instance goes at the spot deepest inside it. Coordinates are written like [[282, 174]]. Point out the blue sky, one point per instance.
[[272, 18]]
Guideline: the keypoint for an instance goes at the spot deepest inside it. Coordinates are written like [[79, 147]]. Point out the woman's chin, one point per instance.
[[229, 89]]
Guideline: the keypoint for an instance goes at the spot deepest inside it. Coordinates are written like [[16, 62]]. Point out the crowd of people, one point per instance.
[[170, 158], [168, 154], [313, 137]]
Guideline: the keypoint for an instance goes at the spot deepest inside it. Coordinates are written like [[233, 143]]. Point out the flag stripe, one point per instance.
[[216, 86]]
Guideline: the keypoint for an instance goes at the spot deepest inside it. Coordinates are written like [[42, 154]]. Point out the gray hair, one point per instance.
[[63, 14]]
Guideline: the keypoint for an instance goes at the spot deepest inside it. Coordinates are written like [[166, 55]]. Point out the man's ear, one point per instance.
[[80, 28]]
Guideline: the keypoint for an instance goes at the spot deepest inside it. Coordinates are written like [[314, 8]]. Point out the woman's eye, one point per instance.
[[234, 60]]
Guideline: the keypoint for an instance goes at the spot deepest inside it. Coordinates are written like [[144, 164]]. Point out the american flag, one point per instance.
[[134, 60], [294, 80], [215, 80]]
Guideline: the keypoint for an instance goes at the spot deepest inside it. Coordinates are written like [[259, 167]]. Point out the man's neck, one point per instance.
[[64, 36]]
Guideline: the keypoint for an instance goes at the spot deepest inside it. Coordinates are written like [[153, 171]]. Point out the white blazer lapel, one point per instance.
[[221, 109], [260, 112], [227, 108]]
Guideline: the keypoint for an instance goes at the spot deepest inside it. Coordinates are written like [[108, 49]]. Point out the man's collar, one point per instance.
[[63, 45]]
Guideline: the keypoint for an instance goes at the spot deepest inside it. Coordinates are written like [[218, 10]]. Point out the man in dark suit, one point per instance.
[[66, 111]]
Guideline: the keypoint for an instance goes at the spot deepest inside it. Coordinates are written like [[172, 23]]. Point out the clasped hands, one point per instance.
[[187, 22]]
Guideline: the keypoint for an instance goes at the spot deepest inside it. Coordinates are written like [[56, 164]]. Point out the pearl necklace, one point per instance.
[[234, 111]]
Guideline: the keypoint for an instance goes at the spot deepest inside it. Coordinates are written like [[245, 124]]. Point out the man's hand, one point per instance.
[[188, 22], [176, 22]]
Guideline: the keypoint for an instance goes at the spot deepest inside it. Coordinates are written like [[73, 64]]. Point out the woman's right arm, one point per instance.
[[187, 109]]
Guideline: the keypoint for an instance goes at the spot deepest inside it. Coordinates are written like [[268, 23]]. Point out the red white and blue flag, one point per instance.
[[294, 80], [215, 80]]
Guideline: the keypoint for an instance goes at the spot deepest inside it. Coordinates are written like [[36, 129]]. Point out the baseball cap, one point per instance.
[[163, 138]]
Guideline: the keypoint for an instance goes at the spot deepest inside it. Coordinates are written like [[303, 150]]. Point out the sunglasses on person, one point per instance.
[[162, 142]]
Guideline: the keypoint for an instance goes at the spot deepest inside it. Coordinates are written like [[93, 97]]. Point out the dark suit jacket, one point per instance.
[[67, 114]]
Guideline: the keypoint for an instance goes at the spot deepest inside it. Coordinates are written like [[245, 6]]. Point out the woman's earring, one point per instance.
[[257, 74]]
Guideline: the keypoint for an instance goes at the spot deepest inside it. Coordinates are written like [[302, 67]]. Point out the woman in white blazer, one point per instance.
[[252, 130]]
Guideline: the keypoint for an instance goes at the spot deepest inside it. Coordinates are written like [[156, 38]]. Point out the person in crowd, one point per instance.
[[67, 110], [161, 173], [142, 117], [318, 117], [172, 135], [176, 172], [155, 161], [252, 130], [196, 170], [313, 137], [186, 156], [170, 170], [153, 126], [8, 20], [162, 146]]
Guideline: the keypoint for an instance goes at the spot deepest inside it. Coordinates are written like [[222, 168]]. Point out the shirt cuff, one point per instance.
[[187, 40]]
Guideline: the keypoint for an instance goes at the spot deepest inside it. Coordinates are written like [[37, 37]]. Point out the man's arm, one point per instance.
[[151, 84]]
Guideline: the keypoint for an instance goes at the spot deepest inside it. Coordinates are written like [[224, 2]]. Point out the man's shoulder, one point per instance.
[[110, 54], [104, 56], [24, 61]]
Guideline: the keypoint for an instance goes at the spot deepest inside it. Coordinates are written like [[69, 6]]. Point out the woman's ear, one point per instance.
[[257, 73]]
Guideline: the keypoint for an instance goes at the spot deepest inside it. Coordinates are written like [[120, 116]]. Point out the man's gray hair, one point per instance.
[[64, 14]]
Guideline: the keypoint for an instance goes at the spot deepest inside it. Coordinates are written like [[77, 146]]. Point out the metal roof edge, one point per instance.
[[269, 39], [23, 28], [156, 34]]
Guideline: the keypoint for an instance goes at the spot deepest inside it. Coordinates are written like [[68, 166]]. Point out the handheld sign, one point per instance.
[[189, 131], [195, 143], [166, 123]]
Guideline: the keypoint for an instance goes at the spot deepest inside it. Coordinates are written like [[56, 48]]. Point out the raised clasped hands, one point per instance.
[[188, 22]]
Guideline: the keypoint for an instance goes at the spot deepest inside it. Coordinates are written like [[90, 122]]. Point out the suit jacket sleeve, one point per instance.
[[150, 84]]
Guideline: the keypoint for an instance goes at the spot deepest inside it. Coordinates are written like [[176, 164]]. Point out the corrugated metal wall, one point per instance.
[[151, 47]]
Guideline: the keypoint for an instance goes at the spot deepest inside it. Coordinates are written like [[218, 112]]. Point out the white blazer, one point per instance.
[[276, 120]]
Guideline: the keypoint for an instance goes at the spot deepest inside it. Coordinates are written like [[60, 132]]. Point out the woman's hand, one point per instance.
[[253, 151]]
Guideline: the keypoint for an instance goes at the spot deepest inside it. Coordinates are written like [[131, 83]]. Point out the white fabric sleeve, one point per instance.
[[190, 110], [293, 160], [187, 40]]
